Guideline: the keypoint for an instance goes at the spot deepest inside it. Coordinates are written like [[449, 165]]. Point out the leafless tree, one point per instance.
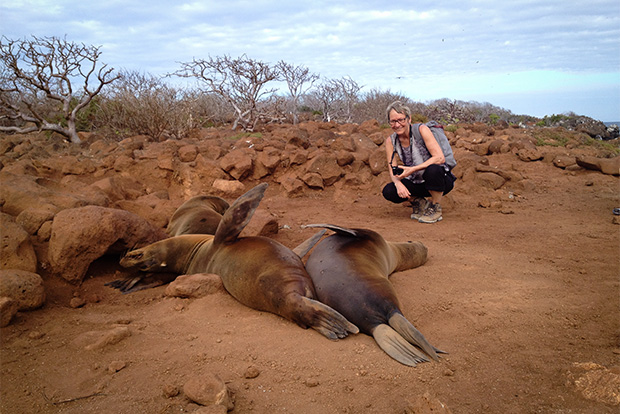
[[349, 95], [298, 80], [46, 74], [239, 81], [327, 95]]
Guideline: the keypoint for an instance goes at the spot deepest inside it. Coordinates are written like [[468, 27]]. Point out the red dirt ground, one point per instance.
[[522, 298]]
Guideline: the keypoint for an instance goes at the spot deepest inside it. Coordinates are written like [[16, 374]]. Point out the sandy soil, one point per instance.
[[524, 299]]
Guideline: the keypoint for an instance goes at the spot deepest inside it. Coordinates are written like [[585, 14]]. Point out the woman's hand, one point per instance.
[[401, 189], [407, 171]]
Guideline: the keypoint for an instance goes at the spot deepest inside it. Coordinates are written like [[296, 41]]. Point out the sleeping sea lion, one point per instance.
[[198, 215], [350, 272], [257, 271]]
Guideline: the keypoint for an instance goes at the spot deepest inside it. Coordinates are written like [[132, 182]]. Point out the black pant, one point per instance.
[[436, 178]]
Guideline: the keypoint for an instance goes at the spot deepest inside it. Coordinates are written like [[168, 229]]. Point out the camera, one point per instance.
[[397, 170]]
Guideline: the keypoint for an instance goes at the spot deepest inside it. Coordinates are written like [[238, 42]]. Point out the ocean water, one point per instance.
[[612, 123]]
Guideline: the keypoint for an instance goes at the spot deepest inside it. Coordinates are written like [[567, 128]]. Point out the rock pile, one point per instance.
[[64, 206]]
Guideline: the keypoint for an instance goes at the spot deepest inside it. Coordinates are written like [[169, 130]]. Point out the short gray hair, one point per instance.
[[399, 107]]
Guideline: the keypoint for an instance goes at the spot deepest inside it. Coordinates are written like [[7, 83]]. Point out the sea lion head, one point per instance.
[[168, 255], [145, 259]]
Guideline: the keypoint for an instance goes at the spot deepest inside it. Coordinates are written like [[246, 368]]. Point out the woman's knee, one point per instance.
[[390, 193]]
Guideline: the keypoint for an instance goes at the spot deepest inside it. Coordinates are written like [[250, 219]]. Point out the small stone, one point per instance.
[[251, 372], [77, 302], [170, 391], [116, 366], [208, 390], [36, 335], [312, 382]]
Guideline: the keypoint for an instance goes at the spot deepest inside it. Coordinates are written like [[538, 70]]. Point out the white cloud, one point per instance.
[[450, 46]]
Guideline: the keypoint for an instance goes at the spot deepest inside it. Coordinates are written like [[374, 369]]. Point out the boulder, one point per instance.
[[266, 162], [20, 192], [589, 163], [326, 165], [82, 235], [610, 166], [8, 309], [228, 188], [25, 288], [194, 286], [263, 223], [529, 154], [564, 161], [207, 390], [238, 163], [17, 251], [31, 219], [120, 188], [378, 161], [489, 180], [187, 153], [362, 142]]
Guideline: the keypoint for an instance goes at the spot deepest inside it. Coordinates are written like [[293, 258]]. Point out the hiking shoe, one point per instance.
[[432, 214], [418, 204]]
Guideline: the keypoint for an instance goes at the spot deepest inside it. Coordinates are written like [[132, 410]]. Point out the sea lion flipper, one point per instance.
[[411, 334], [396, 346], [340, 230], [326, 320], [305, 246], [238, 215], [141, 282]]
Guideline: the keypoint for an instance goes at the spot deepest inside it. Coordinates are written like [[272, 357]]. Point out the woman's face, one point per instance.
[[399, 123]]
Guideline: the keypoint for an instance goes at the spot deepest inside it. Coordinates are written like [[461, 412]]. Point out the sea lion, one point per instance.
[[198, 215], [257, 271], [350, 271]]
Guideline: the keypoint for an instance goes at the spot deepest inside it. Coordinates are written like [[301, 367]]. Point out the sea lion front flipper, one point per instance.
[[396, 346], [239, 214], [326, 320], [140, 282], [340, 230], [411, 334], [305, 246]]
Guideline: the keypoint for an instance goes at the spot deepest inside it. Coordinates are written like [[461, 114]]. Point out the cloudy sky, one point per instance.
[[534, 57]]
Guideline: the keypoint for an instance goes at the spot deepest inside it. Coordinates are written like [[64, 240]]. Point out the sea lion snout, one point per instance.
[[140, 260]]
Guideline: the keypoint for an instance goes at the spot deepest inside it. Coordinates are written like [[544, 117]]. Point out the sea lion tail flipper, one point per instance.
[[340, 230], [238, 215], [411, 334], [396, 346], [305, 247], [326, 320]]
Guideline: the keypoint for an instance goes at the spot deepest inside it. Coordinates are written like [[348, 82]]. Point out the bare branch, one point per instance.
[[37, 83], [296, 77], [239, 81]]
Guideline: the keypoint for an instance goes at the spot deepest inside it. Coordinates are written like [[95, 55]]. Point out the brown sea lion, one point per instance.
[[198, 215], [350, 271], [257, 271]]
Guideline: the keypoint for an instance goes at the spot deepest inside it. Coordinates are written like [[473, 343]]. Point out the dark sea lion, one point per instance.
[[257, 271], [350, 271], [198, 215]]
